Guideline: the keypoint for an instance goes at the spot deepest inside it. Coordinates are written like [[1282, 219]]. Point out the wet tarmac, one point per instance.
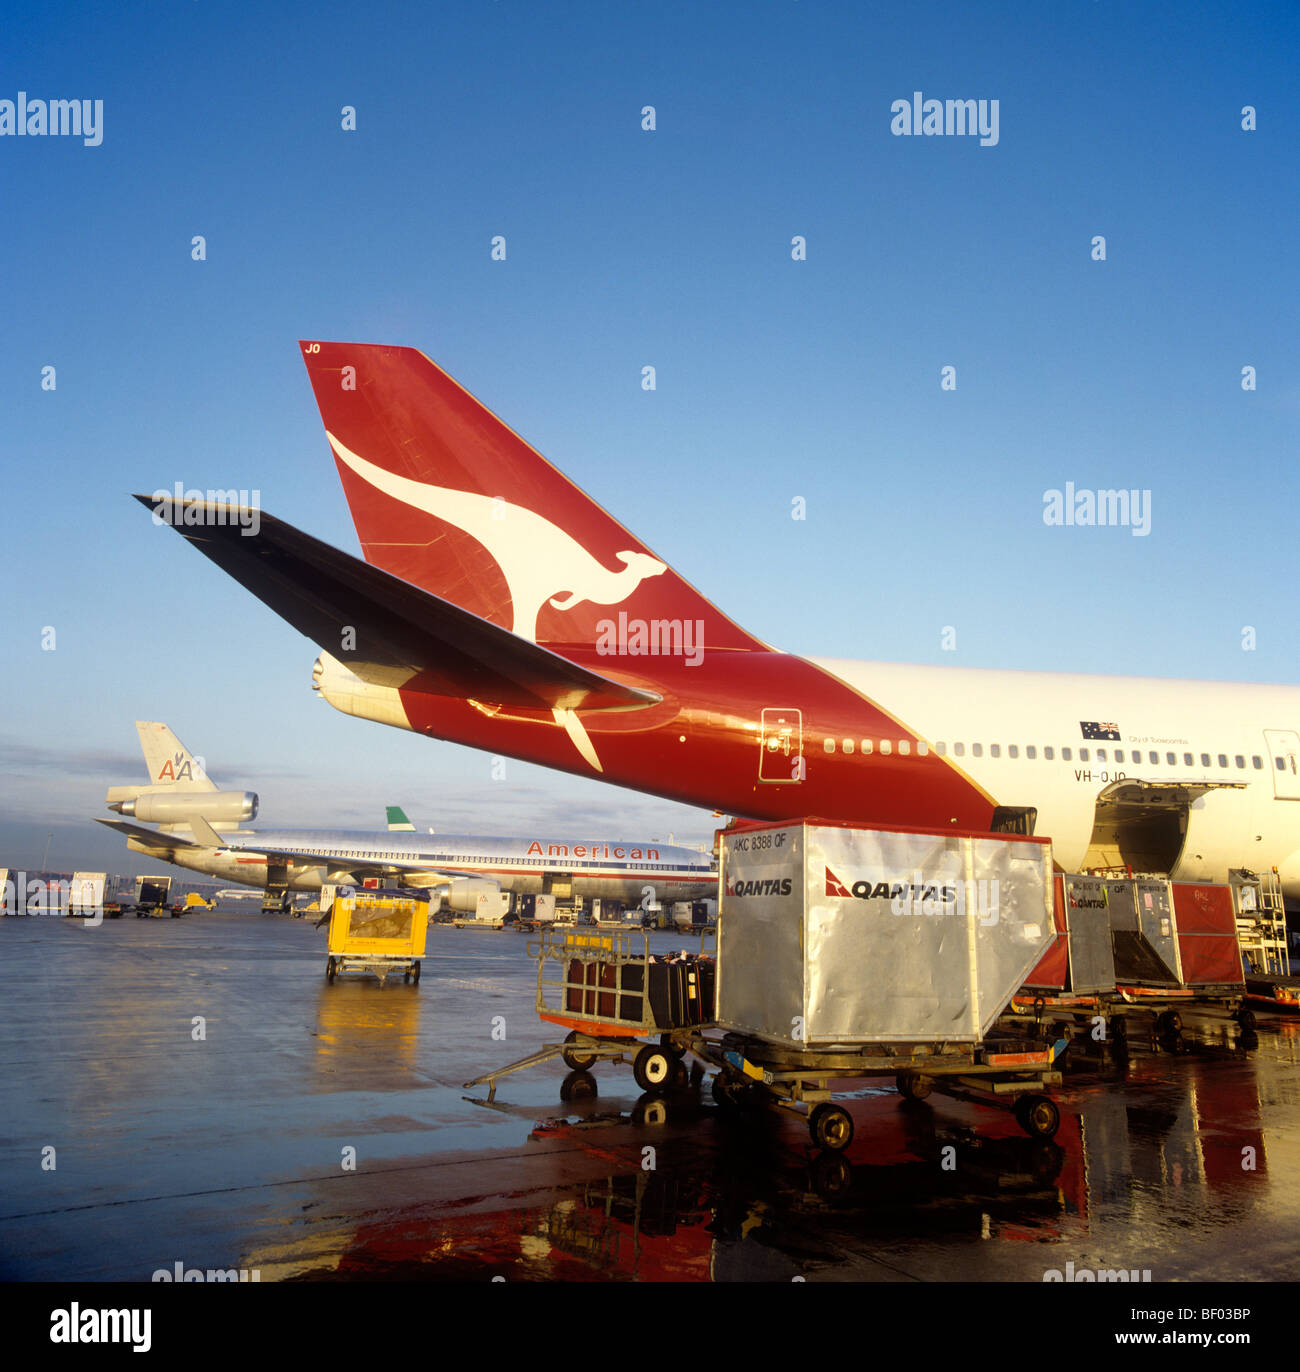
[[211, 1101]]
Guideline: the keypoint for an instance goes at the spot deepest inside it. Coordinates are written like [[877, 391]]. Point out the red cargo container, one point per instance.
[[1207, 935]]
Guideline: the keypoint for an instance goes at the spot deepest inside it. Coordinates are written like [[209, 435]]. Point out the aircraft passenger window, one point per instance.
[[959, 749], [1101, 755], [1153, 758], [1258, 762], [1049, 753], [1241, 761], [828, 745], [1013, 750], [1205, 759], [866, 745], [1187, 759], [995, 750], [922, 748], [847, 745], [1031, 751], [942, 750], [1281, 766], [1171, 758], [1223, 759], [1083, 755], [886, 746], [977, 750], [1067, 755], [904, 746]]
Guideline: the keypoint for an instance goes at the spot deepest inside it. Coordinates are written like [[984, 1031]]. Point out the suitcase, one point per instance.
[[630, 1000], [605, 999]]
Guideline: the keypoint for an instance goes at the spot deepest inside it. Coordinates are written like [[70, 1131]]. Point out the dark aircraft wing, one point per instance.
[[400, 631]]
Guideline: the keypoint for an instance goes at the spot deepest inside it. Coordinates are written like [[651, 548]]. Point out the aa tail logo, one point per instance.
[[176, 769], [540, 562]]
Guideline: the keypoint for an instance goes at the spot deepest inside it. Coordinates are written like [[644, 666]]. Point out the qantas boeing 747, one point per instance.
[[500, 607]]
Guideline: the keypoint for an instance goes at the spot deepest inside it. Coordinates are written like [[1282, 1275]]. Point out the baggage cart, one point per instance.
[[379, 932], [606, 988]]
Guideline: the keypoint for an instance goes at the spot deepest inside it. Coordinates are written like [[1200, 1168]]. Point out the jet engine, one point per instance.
[[459, 893], [166, 807]]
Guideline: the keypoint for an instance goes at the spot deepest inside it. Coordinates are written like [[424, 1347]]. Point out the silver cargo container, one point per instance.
[[833, 935], [1144, 931], [1087, 920]]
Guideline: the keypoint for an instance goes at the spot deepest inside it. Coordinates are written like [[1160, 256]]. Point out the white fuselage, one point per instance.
[[1018, 736], [603, 869]]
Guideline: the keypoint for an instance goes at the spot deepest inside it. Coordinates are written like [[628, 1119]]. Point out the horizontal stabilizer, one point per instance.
[[151, 838], [396, 632]]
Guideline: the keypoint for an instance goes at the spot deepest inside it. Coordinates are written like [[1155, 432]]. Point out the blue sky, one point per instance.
[[626, 248]]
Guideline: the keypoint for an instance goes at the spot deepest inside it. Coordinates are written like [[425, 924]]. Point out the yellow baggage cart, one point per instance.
[[377, 931]]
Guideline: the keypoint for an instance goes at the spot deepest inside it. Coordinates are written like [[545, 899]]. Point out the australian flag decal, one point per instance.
[[1100, 731]]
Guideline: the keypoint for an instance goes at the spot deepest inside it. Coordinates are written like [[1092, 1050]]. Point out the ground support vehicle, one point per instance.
[[1134, 947], [752, 1072], [377, 932], [605, 987], [850, 951]]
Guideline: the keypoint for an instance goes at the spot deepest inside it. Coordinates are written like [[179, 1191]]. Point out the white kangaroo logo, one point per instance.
[[540, 562]]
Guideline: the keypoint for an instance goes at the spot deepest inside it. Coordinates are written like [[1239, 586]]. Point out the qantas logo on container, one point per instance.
[[771, 886], [1088, 902], [888, 890]]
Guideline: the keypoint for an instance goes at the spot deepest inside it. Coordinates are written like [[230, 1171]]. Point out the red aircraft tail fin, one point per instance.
[[447, 497]]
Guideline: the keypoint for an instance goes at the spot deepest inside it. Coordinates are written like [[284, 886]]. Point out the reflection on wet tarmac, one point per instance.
[[232, 1149]]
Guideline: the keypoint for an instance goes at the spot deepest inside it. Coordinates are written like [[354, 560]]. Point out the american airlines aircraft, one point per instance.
[[500, 607], [459, 867]]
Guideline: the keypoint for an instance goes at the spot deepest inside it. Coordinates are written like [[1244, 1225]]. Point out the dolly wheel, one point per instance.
[[1246, 1017], [574, 1060], [650, 1112], [578, 1086], [667, 1044], [913, 1086], [831, 1126], [330, 969], [653, 1068], [415, 973], [832, 1176], [1170, 1022], [1038, 1116]]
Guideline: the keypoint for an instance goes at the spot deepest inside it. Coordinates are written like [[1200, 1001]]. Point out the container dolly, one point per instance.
[[754, 1071], [590, 982]]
